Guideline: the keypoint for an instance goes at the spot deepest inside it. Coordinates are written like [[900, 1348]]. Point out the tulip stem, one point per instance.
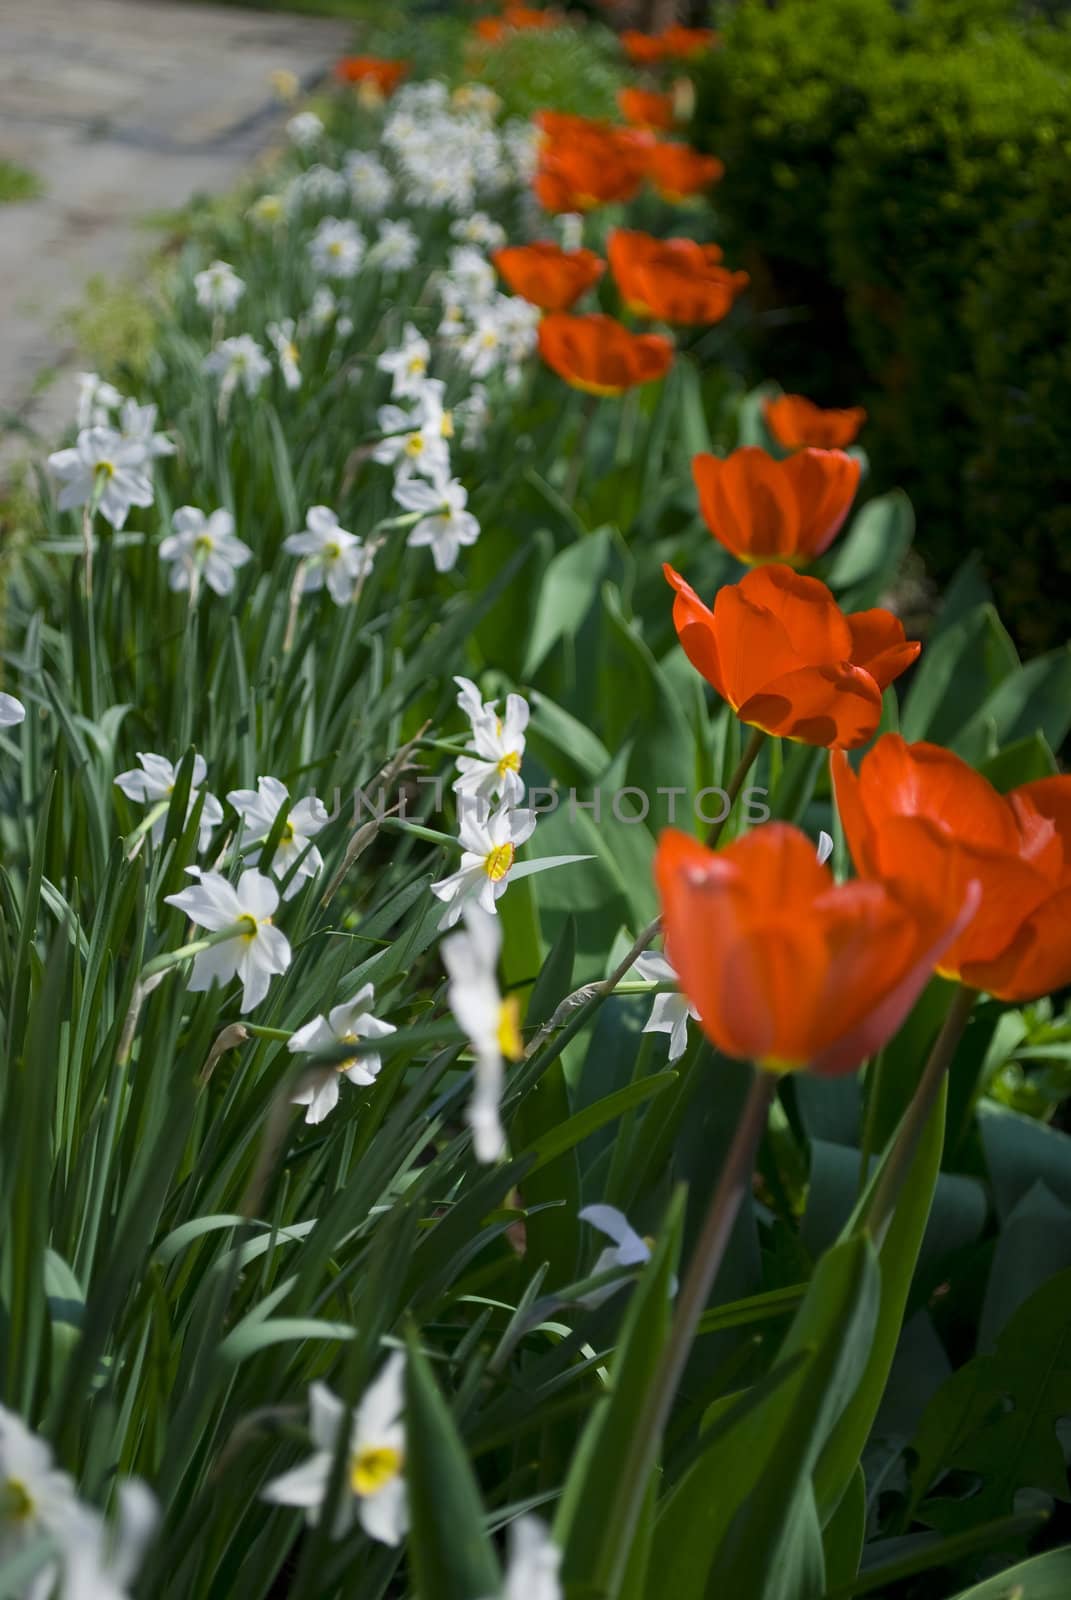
[[580, 448], [756, 739], [733, 1183], [894, 1171]]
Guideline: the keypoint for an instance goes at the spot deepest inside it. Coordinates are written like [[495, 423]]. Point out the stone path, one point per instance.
[[122, 108]]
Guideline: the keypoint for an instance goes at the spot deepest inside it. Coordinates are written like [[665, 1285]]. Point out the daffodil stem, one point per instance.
[[906, 1139], [87, 546], [402, 825], [132, 842], [175, 958], [733, 1183]]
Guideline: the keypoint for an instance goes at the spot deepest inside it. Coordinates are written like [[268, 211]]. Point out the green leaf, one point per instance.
[[449, 1550], [569, 589], [959, 669], [868, 557], [1046, 1577]]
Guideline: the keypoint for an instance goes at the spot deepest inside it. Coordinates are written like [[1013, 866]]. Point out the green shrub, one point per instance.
[[1019, 473], [564, 68], [949, 143]]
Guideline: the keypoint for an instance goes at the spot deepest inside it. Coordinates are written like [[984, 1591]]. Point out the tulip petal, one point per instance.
[[836, 706]]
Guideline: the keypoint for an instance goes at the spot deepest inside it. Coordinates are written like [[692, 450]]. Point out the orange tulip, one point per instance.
[[515, 19], [779, 649], [646, 108], [677, 171], [675, 280], [796, 422], [919, 814], [380, 73], [673, 43], [584, 164], [548, 276], [786, 968], [601, 356], [763, 509]]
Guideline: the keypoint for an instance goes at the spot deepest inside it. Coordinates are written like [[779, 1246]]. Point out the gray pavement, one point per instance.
[[122, 108]]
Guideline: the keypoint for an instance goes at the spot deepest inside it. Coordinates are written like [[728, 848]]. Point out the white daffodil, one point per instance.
[[534, 1563], [205, 547], [35, 1499], [488, 849], [478, 230], [138, 425], [397, 246], [351, 1023], [470, 957], [255, 952], [473, 413], [337, 248], [825, 846], [417, 441], [282, 336], [319, 186], [98, 1560], [670, 1012], [96, 401], [268, 211], [334, 559], [494, 769], [105, 471], [237, 362], [371, 185], [571, 229], [374, 1489], [407, 365], [472, 275], [482, 350], [259, 808], [12, 711], [323, 309], [446, 525], [305, 130], [218, 288], [472, 703], [626, 1250], [155, 782]]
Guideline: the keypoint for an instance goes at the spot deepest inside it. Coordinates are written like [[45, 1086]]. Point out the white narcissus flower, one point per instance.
[[417, 441], [488, 849], [101, 1561], [323, 310], [238, 361], [494, 769], [255, 952], [374, 1490], [470, 957], [337, 248], [334, 558], [397, 246], [96, 401], [218, 288], [351, 1023], [446, 525], [267, 212], [370, 183], [533, 1572], [105, 471], [205, 547], [12, 711], [258, 809], [305, 130], [155, 781], [626, 1250], [407, 365], [670, 1012], [138, 424], [825, 846], [478, 230], [36, 1500], [282, 336], [472, 703]]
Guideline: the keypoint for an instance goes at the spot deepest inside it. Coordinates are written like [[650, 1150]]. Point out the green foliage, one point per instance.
[[561, 68], [17, 183]]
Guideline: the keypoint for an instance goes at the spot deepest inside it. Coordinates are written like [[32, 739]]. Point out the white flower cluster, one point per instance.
[[109, 467]]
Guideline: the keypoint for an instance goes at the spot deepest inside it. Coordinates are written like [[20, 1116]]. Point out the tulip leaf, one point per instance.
[[1045, 1577], [449, 1551], [868, 557], [555, 977], [569, 589], [1034, 700], [1022, 762], [958, 670], [996, 1418]]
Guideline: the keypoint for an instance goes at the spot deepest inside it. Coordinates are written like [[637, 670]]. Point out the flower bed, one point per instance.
[[490, 1107]]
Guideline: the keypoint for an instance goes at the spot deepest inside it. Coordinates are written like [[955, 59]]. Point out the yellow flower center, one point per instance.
[[105, 469], [249, 926], [287, 835], [332, 551], [417, 364], [509, 1029], [498, 863], [335, 248], [202, 544], [373, 1468], [414, 444], [351, 1061], [290, 353], [447, 425], [511, 762], [16, 1502]]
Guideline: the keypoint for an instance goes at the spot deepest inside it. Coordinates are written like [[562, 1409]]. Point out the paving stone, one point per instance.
[[122, 108]]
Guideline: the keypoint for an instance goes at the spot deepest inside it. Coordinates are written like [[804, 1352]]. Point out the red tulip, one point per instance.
[[763, 509]]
